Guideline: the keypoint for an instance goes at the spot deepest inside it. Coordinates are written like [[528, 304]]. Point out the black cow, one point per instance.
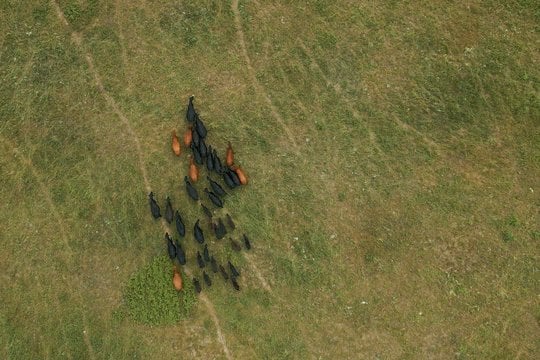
[[196, 154], [198, 233], [209, 159], [202, 148], [214, 198], [200, 260], [207, 211], [207, 279], [180, 227], [192, 192], [235, 284], [223, 272], [180, 254], [154, 207], [206, 254], [168, 210], [199, 126], [220, 229], [197, 285], [213, 264], [247, 243], [234, 272], [218, 190], [230, 222], [171, 249], [190, 113]]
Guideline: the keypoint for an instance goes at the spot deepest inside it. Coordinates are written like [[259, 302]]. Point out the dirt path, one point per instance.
[[257, 272], [44, 190], [123, 44], [77, 39], [256, 85], [337, 88]]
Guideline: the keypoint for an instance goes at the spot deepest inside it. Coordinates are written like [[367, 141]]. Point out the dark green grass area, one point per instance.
[[392, 204], [150, 298]]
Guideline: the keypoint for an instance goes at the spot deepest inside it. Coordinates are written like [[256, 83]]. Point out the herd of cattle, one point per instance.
[[203, 155]]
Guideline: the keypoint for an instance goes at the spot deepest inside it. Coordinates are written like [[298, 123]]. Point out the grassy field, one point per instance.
[[393, 150]]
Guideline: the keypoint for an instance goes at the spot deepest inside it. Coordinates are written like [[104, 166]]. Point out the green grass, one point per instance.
[[150, 299], [403, 224]]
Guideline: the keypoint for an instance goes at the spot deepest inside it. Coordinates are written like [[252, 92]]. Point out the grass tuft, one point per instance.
[[507, 236]]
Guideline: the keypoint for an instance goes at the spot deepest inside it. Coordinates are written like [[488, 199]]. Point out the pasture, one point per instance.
[[393, 155]]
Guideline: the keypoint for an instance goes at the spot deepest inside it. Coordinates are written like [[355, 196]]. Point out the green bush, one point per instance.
[[151, 298]]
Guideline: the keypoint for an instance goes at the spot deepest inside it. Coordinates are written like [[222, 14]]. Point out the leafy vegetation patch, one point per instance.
[[151, 299]]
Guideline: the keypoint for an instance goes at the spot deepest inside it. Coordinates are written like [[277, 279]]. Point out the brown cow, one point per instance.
[[177, 279], [193, 171], [230, 155], [175, 144]]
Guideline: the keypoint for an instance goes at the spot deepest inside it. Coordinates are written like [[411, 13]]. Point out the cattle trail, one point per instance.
[[256, 85], [204, 299], [77, 39], [123, 43], [338, 90], [63, 232], [257, 273]]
